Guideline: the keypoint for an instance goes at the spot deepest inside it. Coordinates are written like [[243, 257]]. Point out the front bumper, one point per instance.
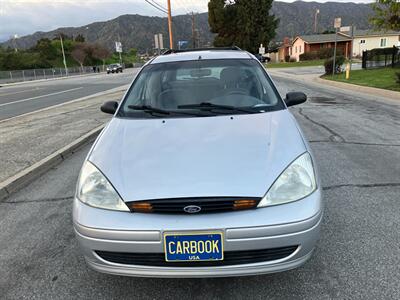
[[296, 223]]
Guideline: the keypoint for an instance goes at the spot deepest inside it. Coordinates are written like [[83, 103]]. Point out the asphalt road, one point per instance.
[[356, 141], [31, 96]]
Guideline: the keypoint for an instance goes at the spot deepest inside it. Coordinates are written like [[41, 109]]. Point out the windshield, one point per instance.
[[242, 86]]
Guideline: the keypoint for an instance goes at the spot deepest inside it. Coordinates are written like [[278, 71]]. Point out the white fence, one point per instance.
[[36, 74]]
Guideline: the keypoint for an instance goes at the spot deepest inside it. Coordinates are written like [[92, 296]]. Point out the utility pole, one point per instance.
[[63, 54], [15, 36], [171, 42], [337, 24], [334, 53], [119, 52], [348, 65], [352, 44], [193, 32], [316, 20]]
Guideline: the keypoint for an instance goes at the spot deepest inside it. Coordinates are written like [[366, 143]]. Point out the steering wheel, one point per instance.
[[238, 91]]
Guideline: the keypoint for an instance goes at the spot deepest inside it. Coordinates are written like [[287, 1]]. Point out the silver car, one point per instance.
[[202, 172]]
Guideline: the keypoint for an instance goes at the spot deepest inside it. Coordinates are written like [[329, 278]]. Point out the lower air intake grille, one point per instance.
[[230, 258]]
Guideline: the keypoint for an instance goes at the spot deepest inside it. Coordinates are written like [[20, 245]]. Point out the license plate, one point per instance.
[[205, 246]]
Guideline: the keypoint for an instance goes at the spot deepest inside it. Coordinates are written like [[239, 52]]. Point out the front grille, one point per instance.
[[230, 258], [206, 205]]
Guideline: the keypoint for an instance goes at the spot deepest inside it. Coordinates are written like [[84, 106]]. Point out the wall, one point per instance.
[[297, 49], [342, 47], [372, 42]]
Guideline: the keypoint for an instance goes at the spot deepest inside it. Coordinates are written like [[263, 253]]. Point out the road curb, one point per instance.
[[24, 177], [360, 88]]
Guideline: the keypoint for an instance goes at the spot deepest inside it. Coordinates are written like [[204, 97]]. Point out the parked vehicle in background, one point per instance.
[[114, 68], [260, 57]]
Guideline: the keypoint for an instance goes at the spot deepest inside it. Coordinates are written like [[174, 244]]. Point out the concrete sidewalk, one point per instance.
[[29, 142]]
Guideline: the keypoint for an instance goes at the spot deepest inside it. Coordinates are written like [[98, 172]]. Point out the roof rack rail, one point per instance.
[[171, 51]]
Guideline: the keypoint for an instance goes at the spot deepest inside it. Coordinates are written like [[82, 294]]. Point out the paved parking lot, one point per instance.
[[356, 141]]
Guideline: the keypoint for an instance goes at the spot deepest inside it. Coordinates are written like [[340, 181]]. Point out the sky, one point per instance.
[[22, 17]]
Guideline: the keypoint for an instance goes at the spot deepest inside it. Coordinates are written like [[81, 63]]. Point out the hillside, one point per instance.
[[137, 31], [298, 17]]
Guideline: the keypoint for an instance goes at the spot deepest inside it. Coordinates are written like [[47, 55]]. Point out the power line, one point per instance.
[[156, 7], [159, 5]]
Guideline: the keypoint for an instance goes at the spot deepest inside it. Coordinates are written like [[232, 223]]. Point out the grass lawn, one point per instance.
[[384, 78], [306, 63]]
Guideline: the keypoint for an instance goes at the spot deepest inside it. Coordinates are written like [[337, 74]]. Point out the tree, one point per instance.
[[79, 53], [387, 15], [63, 35], [46, 50], [80, 38], [243, 23], [101, 53], [221, 16]]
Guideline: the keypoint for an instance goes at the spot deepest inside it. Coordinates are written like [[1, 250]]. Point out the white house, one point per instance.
[[367, 39], [362, 40]]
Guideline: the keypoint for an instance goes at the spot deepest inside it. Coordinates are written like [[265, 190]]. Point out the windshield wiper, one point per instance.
[[211, 107], [149, 109]]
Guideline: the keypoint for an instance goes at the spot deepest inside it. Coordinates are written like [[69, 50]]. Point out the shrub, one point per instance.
[[323, 53], [292, 59], [287, 58], [309, 56], [329, 64], [398, 77]]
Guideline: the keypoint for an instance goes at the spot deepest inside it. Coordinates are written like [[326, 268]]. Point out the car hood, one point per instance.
[[240, 155]]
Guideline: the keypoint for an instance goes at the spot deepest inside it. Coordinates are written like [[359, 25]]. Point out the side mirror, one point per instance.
[[110, 107], [294, 98]]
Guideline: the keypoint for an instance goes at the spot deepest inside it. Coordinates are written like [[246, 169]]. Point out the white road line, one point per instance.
[[37, 97], [121, 88], [19, 92]]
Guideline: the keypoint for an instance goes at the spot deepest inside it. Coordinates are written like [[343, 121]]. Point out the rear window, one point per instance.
[[240, 83]]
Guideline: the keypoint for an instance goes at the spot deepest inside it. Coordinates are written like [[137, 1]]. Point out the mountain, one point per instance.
[[298, 17], [136, 31]]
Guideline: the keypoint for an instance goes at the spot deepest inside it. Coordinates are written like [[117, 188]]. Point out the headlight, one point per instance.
[[95, 190], [296, 182]]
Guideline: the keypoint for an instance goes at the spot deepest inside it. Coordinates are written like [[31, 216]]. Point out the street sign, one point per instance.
[[261, 50], [161, 41], [182, 44], [118, 47], [337, 23], [345, 29], [158, 41], [156, 44]]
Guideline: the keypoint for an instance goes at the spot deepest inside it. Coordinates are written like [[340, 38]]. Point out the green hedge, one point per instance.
[[320, 54]]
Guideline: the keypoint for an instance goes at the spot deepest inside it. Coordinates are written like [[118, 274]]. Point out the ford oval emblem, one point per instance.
[[192, 209]]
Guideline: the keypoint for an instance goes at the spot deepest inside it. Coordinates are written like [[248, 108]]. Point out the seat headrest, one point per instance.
[[230, 75]]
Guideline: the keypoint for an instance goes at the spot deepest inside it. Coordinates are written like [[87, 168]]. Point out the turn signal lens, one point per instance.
[[144, 207], [244, 204]]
